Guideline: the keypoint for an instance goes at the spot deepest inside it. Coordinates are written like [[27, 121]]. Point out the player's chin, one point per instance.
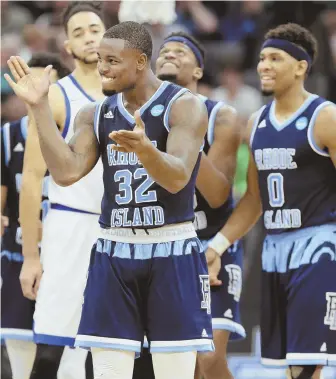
[[91, 58], [267, 90]]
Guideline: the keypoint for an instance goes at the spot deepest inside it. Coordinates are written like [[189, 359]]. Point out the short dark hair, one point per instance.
[[191, 39], [81, 6], [45, 59], [136, 35], [296, 34]]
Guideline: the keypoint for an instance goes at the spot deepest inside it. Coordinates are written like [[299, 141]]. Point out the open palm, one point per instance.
[[29, 88]]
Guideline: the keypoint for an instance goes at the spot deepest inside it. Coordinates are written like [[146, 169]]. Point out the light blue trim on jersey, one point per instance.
[[212, 122], [24, 127], [287, 251], [97, 117], [256, 123], [67, 111], [226, 324], [54, 340], [81, 89], [310, 133], [207, 345], [7, 143], [294, 359], [125, 112], [167, 111], [87, 341], [148, 251], [16, 334], [280, 126], [12, 256]]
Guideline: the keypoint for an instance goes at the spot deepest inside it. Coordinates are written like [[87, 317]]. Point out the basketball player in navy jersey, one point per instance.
[[65, 254], [16, 310], [291, 182], [181, 61], [147, 272]]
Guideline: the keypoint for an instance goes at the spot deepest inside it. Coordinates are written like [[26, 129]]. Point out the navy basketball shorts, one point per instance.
[[298, 316], [157, 286], [225, 298], [16, 310]]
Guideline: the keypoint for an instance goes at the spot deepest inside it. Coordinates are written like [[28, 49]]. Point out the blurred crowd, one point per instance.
[[231, 31]]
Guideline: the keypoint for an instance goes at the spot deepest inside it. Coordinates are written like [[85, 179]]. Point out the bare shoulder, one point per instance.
[[187, 107], [327, 115], [85, 116], [250, 125], [226, 115], [325, 125]]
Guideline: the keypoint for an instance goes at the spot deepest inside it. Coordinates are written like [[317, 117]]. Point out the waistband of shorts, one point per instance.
[[301, 233], [168, 233]]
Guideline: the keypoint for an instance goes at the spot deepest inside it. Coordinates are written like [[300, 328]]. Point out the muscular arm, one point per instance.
[[188, 123], [34, 170], [217, 169], [249, 209], [325, 130], [67, 163]]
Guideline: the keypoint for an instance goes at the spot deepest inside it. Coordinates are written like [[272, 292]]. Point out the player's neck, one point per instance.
[[291, 100], [87, 75], [143, 91], [192, 87]]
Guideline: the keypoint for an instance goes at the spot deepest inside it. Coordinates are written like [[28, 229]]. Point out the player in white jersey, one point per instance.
[[16, 310], [74, 210]]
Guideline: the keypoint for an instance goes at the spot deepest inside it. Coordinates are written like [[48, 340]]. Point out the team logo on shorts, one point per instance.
[[330, 317], [235, 281], [205, 288]]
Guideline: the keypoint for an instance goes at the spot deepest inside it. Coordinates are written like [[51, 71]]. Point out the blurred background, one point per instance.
[[231, 32]]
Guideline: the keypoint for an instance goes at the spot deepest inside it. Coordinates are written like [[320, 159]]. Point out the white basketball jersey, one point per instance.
[[87, 193]]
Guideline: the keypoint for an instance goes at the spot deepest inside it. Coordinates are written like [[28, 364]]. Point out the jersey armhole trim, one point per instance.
[[67, 111], [310, 132], [212, 122], [166, 114], [255, 124], [7, 142], [96, 118], [24, 127]]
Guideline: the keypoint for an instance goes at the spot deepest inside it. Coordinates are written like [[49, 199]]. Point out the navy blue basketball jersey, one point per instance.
[[297, 179], [131, 198], [208, 221], [13, 141]]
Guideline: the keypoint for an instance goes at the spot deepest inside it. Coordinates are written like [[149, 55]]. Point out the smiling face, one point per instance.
[[177, 63], [85, 30], [278, 71], [119, 65]]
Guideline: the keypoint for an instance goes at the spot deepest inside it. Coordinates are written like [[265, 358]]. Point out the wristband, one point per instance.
[[220, 243]]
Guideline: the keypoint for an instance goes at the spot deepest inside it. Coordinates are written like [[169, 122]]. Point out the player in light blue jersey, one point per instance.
[[292, 183], [181, 61], [148, 272]]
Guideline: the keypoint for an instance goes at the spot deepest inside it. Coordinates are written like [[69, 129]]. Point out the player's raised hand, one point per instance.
[[29, 88], [131, 141]]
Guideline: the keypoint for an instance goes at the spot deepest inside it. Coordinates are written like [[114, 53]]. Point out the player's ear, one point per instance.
[[67, 47], [198, 73], [142, 61], [301, 68]]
